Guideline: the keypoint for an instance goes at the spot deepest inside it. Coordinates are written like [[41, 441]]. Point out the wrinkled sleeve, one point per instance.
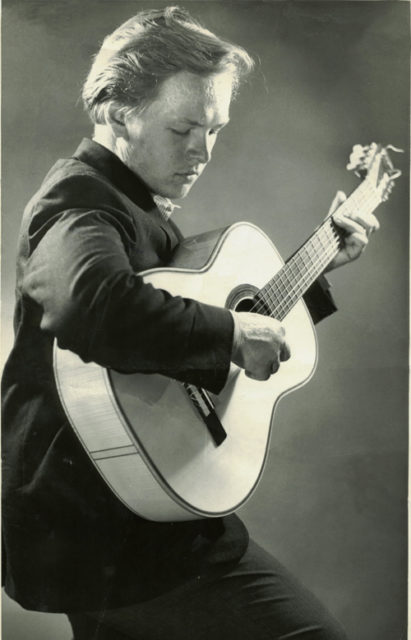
[[79, 274]]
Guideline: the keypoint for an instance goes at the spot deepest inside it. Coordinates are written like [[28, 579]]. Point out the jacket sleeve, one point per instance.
[[92, 302], [319, 300]]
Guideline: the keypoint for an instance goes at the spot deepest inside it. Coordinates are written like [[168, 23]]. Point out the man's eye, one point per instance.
[[180, 133]]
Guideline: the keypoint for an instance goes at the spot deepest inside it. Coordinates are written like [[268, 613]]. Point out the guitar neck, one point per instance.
[[300, 271]]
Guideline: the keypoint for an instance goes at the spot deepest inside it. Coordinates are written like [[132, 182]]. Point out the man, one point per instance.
[[158, 94]]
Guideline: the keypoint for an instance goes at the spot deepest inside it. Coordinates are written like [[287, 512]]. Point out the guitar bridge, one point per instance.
[[206, 410]]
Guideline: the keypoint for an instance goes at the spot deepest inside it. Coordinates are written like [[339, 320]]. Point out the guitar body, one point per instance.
[[143, 433]]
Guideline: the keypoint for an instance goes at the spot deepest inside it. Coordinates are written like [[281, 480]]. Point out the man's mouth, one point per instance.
[[190, 172], [188, 175]]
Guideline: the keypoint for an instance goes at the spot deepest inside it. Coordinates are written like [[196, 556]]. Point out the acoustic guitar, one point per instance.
[[172, 451]]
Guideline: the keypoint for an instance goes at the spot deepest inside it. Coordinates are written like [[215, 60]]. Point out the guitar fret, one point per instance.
[[290, 283], [300, 288], [282, 292], [364, 198]]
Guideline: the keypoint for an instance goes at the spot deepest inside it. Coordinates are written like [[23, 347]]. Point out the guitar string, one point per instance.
[[270, 295], [288, 278], [269, 306], [276, 296], [287, 291], [279, 308], [297, 288], [322, 231], [326, 239]]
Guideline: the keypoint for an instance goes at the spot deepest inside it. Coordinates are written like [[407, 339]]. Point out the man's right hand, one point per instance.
[[259, 344]]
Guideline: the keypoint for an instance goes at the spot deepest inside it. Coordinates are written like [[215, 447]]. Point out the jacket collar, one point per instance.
[[107, 163]]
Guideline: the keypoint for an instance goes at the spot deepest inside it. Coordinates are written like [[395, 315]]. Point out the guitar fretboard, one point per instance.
[[289, 284]]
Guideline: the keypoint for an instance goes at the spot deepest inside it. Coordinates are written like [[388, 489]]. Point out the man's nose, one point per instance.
[[200, 147]]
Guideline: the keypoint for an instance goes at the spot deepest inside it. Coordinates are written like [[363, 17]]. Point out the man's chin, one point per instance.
[[180, 191], [185, 191]]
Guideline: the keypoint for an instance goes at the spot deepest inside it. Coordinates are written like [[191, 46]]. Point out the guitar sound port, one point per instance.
[[246, 304], [242, 298]]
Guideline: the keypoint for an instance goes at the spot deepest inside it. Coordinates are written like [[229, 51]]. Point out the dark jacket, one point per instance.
[[69, 543]]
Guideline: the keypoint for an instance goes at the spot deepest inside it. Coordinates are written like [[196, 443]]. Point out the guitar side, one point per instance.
[[143, 433]]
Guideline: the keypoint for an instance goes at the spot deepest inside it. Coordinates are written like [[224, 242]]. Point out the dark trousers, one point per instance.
[[258, 599]]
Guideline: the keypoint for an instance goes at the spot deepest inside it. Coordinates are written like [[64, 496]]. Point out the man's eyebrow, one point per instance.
[[195, 123]]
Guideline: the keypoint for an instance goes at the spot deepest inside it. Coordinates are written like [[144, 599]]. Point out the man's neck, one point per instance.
[[104, 136]]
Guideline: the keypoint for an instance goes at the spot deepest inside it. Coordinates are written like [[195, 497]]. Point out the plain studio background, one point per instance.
[[332, 502]]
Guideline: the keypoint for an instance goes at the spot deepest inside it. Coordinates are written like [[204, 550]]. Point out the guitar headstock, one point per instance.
[[373, 164]]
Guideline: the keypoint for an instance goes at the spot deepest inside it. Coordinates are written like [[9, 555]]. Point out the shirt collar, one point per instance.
[[165, 206]]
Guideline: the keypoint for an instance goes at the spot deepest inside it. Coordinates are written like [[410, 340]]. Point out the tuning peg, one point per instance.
[[392, 148], [387, 185], [356, 157], [387, 192], [358, 148], [353, 164]]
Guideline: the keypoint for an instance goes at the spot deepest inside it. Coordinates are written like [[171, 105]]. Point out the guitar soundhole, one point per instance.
[[245, 305], [242, 298]]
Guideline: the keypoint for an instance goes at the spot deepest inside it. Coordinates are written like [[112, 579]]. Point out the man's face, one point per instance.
[[169, 143]]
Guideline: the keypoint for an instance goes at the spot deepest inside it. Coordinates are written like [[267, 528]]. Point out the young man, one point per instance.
[[158, 93]]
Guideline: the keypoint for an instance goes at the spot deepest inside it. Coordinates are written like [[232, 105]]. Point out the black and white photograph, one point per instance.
[[204, 339]]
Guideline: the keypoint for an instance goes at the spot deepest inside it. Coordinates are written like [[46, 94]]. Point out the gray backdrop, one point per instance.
[[332, 502]]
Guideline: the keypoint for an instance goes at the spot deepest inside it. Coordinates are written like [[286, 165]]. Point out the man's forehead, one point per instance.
[[186, 88]]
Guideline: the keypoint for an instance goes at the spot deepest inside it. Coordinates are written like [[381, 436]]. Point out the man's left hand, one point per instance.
[[358, 226]]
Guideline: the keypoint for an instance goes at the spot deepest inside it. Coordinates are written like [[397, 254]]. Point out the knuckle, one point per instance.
[[285, 354]]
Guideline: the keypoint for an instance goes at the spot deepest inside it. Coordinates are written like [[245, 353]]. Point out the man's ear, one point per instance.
[[116, 116]]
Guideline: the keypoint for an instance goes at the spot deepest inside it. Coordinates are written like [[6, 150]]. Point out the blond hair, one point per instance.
[[147, 49]]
